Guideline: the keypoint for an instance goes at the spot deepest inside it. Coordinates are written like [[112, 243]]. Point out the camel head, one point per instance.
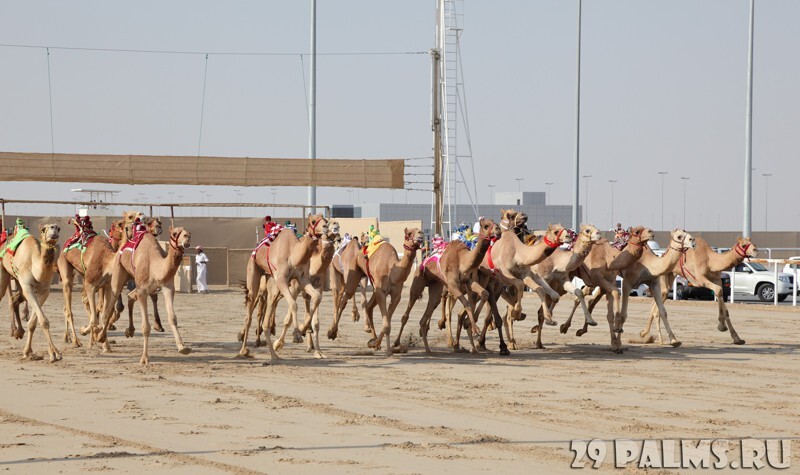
[[556, 235], [589, 233], [317, 225], [334, 227], [49, 233], [413, 239], [511, 219], [179, 238], [745, 248], [682, 239], [153, 226], [640, 235], [488, 229]]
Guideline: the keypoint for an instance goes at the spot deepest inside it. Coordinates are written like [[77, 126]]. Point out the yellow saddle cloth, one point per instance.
[[373, 246]]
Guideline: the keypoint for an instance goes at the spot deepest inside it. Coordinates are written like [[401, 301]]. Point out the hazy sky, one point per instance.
[[663, 89]]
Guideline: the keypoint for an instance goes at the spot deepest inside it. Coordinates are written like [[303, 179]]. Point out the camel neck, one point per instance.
[[720, 262], [619, 260], [530, 255], [404, 264], [478, 252]]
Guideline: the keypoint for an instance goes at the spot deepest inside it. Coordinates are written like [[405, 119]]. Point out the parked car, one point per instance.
[[752, 278], [790, 268], [685, 289]]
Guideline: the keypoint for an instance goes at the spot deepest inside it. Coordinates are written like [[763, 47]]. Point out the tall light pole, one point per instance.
[[662, 198], [491, 193], [612, 203], [748, 142], [766, 199], [586, 201], [685, 179], [577, 161], [312, 102], [547, 197], [519, 184]]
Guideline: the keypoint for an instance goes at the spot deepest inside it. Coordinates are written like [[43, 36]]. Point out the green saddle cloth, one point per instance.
[[15, 241]]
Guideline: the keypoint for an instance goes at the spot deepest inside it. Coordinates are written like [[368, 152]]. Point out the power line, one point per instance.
[[221, 53]]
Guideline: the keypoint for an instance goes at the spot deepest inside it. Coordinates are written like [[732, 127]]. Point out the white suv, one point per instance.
[[754, 279]]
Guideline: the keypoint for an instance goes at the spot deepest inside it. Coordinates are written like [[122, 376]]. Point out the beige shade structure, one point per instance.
[[182, 170]]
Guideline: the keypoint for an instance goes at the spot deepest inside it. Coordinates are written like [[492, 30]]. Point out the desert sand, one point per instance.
[[358, 412]]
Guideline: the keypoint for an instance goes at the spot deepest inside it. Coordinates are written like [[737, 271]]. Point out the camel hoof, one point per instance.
[[77, 343], [676, 344], [144, 361], [260, 343], [158, 328], [19, 334], [552, 323], [722, 327], [33, 357], [643, 334], [129, 332], [332, 334], [185, 350], [513, 345], [240, 336], [442, 324], [85, 331], [539, 347], [297, 336], [458, 349], [371, 344], [619, 330], [474, 351], [319, 355], [244, 353], [277, 345], [504, 351], [738, 342], [592, 323], [534, 328], [112, 327], [522, 316], [564, 328]]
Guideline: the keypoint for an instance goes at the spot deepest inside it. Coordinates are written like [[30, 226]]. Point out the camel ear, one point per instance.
[[170, 229], [41, 228]]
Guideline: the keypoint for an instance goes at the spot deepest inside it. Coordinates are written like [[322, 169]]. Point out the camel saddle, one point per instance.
[[132, 244], [80, 240], [373, 246], [433, 258], [16, 240]]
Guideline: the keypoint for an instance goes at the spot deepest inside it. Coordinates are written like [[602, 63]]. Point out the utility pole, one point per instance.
[[662, 198], [748, 152], [684, 178], [312, 105], [436, 126], [613, 225], [577, 161]]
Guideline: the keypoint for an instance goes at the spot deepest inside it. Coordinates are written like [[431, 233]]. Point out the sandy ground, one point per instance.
[[413, 413]]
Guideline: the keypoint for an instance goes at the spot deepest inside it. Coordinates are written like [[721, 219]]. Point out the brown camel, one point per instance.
[[510, 261], [648, 270], [284, 259], [33, 264], [600, 269], [703, 267], [97, 252], [388, 274], [345, 253], [269, 296], [454, 270], [153, 226], [555, 270], [151, 267]]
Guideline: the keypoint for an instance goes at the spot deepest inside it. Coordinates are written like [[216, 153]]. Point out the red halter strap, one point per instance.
[[742, 251], [554, 244]]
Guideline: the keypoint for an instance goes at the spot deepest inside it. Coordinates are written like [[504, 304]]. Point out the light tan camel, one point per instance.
[[648, 270], [99, 256], [153, 225], [388, 274], [286, 258], [33, 265], [269, 296], [703, 267], [509, 261], [151, 267], [556, 268], [600, 269], [455, 271]]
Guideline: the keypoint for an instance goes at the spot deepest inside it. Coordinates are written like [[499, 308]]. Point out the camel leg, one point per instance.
[[14, 301], [434, 299], [142, 299], [666, 283], [616, 340], [351, 284], [5, 288], [282, 285], [315, 297], [98, 332], [379, 297], [498, 322], [456, 293], [363, 289], [156, 318], [253, 289], [169, 295], [129, 332], [724, 317], [269, 319], [67, 275], [38, 318], [570, 288], [662, 312], [417, 286]]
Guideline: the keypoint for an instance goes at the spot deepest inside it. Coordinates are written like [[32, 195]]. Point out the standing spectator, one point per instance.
[[201, 260]]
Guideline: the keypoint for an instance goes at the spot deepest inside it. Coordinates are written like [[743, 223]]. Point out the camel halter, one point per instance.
[[504, 226], [311, 229], [556, 243], [173, 243], [743, 253], [682, 248]]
